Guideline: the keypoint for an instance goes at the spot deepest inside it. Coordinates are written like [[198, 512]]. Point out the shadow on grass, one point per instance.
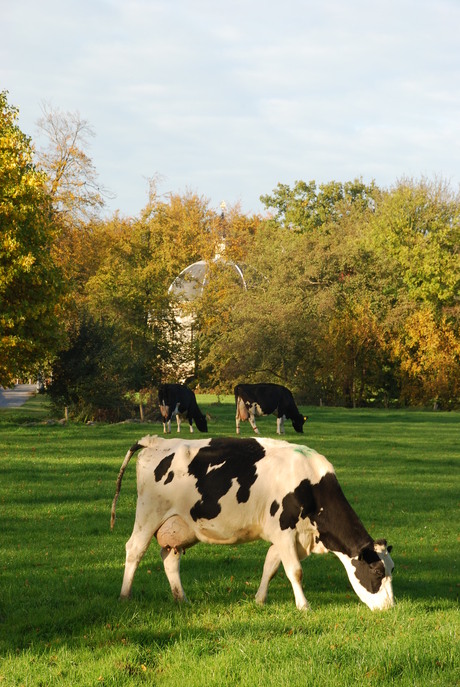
[[75, 600]]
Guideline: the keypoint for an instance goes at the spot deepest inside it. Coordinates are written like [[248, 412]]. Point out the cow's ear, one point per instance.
[[390, 548], [380, 543]]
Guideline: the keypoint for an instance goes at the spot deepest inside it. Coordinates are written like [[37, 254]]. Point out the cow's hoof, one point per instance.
[[305, 607]]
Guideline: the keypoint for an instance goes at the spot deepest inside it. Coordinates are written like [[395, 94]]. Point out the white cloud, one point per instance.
[[229, 99]]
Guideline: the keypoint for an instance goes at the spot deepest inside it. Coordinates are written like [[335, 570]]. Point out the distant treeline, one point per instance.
[[350, 293]]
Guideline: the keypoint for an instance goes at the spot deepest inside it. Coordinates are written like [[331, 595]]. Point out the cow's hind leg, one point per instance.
[[136, 546], [271, 565], [171, 561], [252, 420]]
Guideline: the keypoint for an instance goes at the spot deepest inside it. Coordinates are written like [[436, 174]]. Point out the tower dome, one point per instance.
[[189, 284]]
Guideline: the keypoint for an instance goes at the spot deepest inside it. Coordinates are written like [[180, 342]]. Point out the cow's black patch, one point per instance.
[[163, 467], [339, 527], [297, 504], [370, 570], [216, 465], [170, 477], [274, 508]]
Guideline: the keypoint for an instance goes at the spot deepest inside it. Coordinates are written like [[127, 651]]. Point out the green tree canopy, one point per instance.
[[308, 206], [30, 281], [341, 284]]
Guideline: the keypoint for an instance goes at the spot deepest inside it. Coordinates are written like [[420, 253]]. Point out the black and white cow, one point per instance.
[[267, 399], [229, 491], [177, 400]]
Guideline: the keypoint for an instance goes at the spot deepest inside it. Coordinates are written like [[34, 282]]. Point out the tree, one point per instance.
[[307, 207], [92, 374], [71, 177], [260, 333], [378, 262], [72, 183], [428, 352], [129, 291], [416, 234], [352, 355], [30, 281], [130, 285]]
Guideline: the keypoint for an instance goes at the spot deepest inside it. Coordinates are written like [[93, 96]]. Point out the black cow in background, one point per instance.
[[177, 400], [267, 399]]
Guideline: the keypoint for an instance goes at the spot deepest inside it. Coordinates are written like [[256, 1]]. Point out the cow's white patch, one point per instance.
[[257, 409], [318, 464], [384, 597], [214, 467]]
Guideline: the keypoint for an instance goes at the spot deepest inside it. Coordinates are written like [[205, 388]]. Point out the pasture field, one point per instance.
[[61, 567]]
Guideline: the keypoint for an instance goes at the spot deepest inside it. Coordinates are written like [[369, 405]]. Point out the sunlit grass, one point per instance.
[[61, 567]]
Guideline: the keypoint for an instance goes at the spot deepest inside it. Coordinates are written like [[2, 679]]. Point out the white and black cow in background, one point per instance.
[[267, 399], [229, 491], [177, 400]]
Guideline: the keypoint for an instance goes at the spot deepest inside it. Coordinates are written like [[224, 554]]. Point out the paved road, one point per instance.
[[15, 397]]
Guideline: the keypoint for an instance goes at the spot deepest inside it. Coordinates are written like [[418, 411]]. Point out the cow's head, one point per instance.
[[299, 422], [201, 422], [370, 574]]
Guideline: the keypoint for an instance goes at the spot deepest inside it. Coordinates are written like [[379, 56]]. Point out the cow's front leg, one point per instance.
[[171, 561], [167, 427], [293, 570], [178, 420], [280, 424], [271, 565]]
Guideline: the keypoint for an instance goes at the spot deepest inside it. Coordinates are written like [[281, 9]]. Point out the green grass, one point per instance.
[[61, 567]]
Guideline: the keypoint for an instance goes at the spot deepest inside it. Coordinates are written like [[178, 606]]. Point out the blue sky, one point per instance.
[[227, 99]]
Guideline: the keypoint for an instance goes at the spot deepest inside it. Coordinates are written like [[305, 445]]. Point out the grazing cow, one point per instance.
[[177, 400], [230, 491], [267, 399]]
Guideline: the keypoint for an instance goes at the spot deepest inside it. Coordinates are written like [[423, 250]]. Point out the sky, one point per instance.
[[228, 99]]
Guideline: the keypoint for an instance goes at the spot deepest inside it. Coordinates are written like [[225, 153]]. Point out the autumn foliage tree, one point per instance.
[[71, 178], [30, 281], [342, 281], [349, 292]]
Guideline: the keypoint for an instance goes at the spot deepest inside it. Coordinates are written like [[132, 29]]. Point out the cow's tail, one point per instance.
[[124, 465]]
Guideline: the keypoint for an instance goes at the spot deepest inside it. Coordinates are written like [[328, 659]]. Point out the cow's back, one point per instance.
[[223, 488], [269, 397]]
